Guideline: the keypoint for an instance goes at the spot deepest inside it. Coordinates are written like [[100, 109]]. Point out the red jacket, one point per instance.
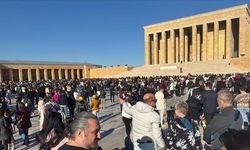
[[25, 116]]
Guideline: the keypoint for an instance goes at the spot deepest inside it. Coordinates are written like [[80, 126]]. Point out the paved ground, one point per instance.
[[112, 128]]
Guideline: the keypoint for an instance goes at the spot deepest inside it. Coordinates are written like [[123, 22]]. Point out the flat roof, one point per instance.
[[30, 62], [199, 15]]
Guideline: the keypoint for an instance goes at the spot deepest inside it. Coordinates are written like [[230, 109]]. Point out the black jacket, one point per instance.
[[209, 100]]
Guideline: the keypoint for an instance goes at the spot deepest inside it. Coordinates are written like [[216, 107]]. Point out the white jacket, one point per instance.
[[160, 104], [145, 122], [124, 114]]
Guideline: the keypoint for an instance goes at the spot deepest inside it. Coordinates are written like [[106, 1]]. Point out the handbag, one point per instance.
[[20, 122]]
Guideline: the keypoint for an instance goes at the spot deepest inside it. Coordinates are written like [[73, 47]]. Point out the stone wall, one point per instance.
[[241, 62], [107, 72]]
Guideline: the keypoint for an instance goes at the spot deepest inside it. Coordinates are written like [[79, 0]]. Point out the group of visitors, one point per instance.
[[217, 104]]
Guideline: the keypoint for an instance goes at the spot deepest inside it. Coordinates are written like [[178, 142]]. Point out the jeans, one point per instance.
[[24, 134], [144, 146], [127, 122], [64, 111]]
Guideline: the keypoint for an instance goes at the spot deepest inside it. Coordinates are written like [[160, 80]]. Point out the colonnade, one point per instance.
[[221, 39], [32, 74]]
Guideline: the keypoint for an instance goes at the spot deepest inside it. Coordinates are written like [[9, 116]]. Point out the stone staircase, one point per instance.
[[216, 67]]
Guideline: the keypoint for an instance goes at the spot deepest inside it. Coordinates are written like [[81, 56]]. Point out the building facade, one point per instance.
[[35, 70], [217, 35]]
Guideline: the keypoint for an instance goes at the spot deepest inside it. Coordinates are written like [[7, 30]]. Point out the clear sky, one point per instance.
[[104, 32]]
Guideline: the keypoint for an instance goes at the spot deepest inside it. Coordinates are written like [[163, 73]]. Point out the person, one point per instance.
[[194, 101], [71, 103], [94, 105], [63, 101], [52, 135], [84, 133], [209, 101], [182, 133], [242, 104], [127, 120], [23, 122], [235, 140], [9, 121], [160, 104], [4, 135], [146, 124], [222, 121], [103, 98], [43, 113]]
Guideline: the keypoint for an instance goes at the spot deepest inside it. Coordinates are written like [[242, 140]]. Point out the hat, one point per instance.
[[94, 97], [80, 98]]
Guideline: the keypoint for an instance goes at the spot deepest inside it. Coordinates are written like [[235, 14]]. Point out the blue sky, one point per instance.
[[104, 32]]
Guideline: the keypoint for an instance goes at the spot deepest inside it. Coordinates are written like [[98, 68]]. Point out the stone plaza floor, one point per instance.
[[112, 128]]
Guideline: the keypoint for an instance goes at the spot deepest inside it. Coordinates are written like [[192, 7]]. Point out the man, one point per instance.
[[160, 104], [84, 133], [146, 131], [209, 100], [222, 121]]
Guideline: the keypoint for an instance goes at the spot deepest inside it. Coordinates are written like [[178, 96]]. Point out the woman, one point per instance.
[[23, 122], [9, 121], [103, 98], [51, 137], [4, 136], [94, 105], [43, 113], [182, 133]]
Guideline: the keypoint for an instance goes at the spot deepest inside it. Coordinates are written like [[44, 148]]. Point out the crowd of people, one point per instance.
[[69, 111]]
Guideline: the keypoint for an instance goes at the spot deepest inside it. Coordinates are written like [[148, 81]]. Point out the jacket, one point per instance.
[[63, 100], [160, 104], [23, 115], [219, 124], [94, 104], [145, 122], [124, 114], [3, 129], [182, 134]]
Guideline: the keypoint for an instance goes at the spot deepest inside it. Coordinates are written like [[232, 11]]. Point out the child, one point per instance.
[[94, 105]]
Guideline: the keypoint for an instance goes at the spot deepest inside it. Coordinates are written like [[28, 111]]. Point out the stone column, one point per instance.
[[171, 50], [216, 41], [20, 73], [37, 74], [83, 73], [181, 44], [156, 49], [147, 49], [29, 75], [194, 44], [242, 35], [66, 74], [177, 46], [11, 74], [45, 74], [72, 74], [60, 73], [1, 76], [228, 39], [204, 42], [186, 47], [198, 46], [53, 74], [78, 74], [163, 48]]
